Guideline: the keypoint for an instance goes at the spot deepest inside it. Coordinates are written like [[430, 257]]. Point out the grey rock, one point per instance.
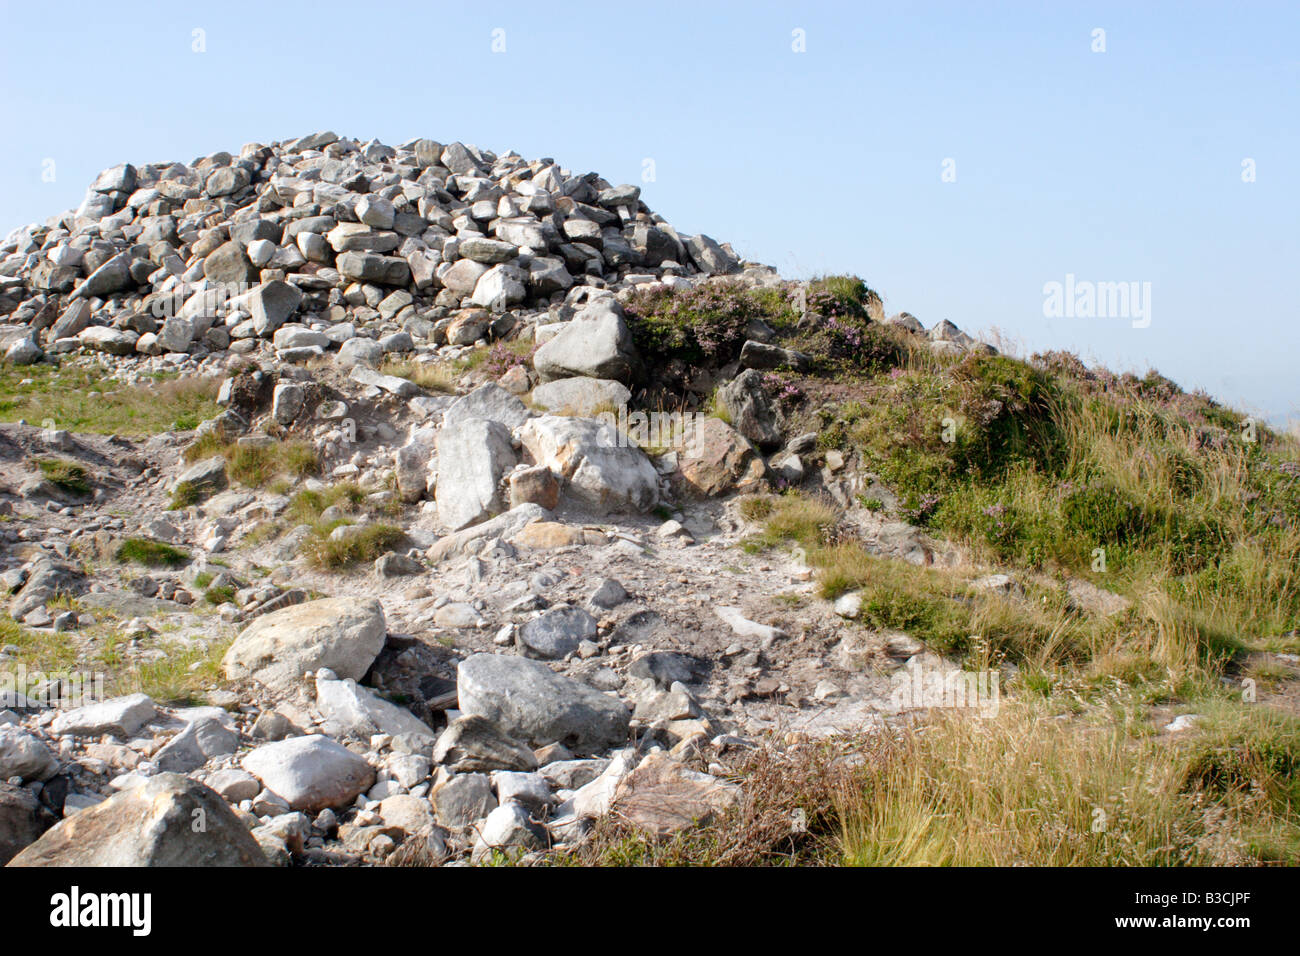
[[526, 699], [473, 456], [149, 825], [22, 820], [23, 754], [556, 633], [472, 744], [751, 409], [119, 716], [491, 402], [271, 304], [310, 773], [596, 344], [463, 799], [347, 709], [581, 396], [344, 635], [510, 829], [199, 742]]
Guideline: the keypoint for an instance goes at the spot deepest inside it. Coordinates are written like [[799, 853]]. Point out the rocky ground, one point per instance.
[[452, 610]]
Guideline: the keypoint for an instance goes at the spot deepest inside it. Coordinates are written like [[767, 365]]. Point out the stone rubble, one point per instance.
[[562, 628]]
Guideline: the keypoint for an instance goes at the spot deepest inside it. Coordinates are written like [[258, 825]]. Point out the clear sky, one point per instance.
[[1117, 166]]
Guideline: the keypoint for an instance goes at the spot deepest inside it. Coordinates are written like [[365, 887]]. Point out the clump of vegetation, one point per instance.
[[705, 325], [503, 356], [1027, 789], [65, 474], [181, 678], [789, 519], [184, 495], [220, 595], [431, 376], [307, 505], [256, 465], [360, 544], [154, 554]]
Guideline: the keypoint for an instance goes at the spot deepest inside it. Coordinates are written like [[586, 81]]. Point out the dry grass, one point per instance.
[[432, 376], [788, 815], [1027, 788]]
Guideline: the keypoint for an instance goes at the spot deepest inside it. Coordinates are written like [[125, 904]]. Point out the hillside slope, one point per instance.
[[422, 504]]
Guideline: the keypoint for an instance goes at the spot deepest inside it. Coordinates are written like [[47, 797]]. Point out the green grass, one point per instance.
[[366, 544], [62, 395], [41, 650], [256, 466], [184, 495], [1025, 788], [178, 679], [220, 595], [154, 554], [67, 475]]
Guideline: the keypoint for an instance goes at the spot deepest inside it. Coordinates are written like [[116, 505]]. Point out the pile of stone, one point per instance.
[[301, 242], [325, 770]]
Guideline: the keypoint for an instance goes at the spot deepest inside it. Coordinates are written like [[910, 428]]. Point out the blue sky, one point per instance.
[[1115, 166]]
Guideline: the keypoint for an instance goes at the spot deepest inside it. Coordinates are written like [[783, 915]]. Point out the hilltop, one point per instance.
[[424, 505]]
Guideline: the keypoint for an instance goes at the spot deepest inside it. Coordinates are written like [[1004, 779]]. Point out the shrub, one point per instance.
[[705, 325]]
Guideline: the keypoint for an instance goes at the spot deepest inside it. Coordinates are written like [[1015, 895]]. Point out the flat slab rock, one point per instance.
[[527, 700], [342, 634], [120, 716], [661, 796]]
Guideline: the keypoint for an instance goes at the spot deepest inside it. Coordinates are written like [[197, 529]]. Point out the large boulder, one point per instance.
[[169, 820], [471, 744], [710, 257], [24, 755], [310, 773], [230, 266], [716, 459], [100, 338], [599, 467], [113, 276], [369, 267], [596, 344], [661, 796], [489, 401], [557, 632], [199, 742], [581, 396], [752, 411], [271, 304], [527, 700], [119, 716], [22, 820], [504, 525], [417, 465], [277, 649], [473, 456]]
